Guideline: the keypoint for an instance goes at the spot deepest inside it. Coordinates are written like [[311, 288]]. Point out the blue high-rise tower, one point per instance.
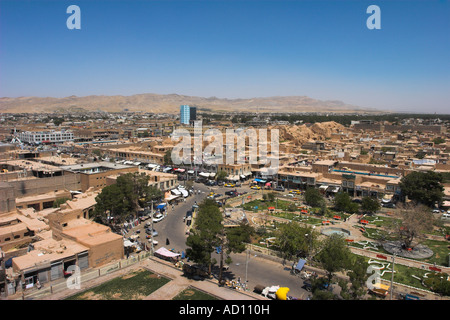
[[185, 114]]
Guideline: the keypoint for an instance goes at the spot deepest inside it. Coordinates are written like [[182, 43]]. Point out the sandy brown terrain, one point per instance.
[[171, 103]]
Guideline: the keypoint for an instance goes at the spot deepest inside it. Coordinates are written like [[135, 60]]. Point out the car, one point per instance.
[[149, 231], [158, 217], [436, 211], [255, 187], [279, 188], [229, 185], [388, 205]]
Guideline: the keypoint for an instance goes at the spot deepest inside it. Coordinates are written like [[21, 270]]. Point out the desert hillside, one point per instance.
[[170, 103], [300, 134]]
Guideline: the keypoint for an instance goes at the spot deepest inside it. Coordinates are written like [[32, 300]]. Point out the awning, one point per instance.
[[184, 192], [167, 169], [166, 253], [300, 264], [180, 170], [161, 206], [151, 165], [233, 178], [323, 187], [128, 243], [176, 192], [260, 180], [333, 189], [204, 174], [242, 176], [171, 197], [136, 163], [191, 172], [212, 175]]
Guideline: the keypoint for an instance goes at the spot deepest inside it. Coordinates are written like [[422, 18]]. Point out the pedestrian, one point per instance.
[[167, 241]]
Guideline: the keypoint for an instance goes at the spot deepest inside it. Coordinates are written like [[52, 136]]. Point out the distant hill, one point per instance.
[[170, 103]]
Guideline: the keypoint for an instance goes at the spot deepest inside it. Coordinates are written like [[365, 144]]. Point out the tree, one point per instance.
[[111, 203], [358, 277], [221, 175], [136, 190], [335, 256], [313, 197], [295, 240], [209, 233], [130, 192], [343, 202], [204, 237], [423, 187], [370, 205], [234, 240], [168, 158], [438, 283], [414, 221]]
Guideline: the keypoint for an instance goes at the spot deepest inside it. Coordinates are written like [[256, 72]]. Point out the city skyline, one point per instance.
[[231, 49]]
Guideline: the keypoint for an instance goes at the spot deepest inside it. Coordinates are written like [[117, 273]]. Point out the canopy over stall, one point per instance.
[[300, 264], [166, 254]]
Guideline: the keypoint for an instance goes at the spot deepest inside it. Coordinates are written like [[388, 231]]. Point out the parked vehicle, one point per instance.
[[149, 231], [279, 188], [158, 217]]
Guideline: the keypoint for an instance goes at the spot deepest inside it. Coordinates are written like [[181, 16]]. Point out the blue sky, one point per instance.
[[231, 49]]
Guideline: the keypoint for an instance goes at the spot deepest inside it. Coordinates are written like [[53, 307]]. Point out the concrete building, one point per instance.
[[94, 174], [38, 137], [185, 114]]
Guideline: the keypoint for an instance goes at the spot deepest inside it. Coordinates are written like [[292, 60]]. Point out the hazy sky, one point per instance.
[[231, 49]]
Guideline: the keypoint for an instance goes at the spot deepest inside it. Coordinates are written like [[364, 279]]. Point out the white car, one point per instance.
[[158, 217]]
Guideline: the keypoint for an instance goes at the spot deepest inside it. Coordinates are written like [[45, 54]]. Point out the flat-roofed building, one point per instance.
[[94, 174], [37, 137]]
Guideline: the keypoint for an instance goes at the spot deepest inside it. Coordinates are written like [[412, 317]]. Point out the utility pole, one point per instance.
[[392, 276]]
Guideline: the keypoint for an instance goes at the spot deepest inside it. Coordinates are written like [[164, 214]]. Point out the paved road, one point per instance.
[[259, 271]]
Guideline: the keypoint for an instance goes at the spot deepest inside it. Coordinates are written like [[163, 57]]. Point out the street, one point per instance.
[[256, 269]]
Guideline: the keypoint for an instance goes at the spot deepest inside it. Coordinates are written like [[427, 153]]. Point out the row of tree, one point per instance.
[[342, 202], [210, 233]]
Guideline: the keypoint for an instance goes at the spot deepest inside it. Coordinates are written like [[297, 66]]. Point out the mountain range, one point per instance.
[[170, 103]]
